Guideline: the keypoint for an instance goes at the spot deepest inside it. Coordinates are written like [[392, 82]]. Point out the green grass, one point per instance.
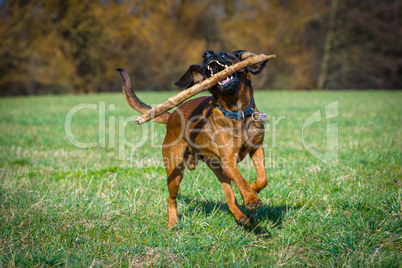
[[65, 206]]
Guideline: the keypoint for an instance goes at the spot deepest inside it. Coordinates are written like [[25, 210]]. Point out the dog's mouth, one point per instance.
[[231, 83]]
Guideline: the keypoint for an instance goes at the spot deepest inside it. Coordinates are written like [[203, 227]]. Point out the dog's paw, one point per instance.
[[246, 220], [253, 205]]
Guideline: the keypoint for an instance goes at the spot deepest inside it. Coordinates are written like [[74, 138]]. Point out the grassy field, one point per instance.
[[61, 205]]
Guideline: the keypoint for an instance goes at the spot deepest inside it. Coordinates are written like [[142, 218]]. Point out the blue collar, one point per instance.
[[237, 115]]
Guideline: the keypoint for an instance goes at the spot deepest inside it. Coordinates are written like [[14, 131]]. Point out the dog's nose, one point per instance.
[[207, 53]]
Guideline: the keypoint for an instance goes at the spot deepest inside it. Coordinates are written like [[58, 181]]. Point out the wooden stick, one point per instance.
[[197, 88]]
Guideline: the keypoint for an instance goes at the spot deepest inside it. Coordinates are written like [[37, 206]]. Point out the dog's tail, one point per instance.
[[134, 101]]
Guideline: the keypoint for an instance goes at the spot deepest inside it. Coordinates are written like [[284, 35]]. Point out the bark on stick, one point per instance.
[[197, 88]]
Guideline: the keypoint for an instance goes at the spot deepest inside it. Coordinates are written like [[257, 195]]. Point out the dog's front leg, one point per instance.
[[251, 200], [226, 184], [258, 158]]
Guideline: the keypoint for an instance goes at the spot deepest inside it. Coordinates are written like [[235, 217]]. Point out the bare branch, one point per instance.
[[197, 88]]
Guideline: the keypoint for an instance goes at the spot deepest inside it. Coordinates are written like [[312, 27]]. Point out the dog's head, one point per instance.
[[213, 63]]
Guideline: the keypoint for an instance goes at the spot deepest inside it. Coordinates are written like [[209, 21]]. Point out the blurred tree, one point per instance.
[[274, 27], [366, 48], [327, 44], [15, 49], [73, 46]]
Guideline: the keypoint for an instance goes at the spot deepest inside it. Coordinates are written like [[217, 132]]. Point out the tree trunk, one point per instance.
[[327, 45]]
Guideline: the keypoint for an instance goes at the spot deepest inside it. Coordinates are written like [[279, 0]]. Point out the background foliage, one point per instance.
[[73, 46]]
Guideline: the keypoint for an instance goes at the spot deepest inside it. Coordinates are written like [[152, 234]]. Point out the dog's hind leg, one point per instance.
[[226, 184], [174, 178], [258, 159], [174, 169]]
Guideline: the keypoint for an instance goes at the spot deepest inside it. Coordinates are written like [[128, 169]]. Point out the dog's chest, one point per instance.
[[222, 137], [239, 137], [252, 138], [255, 132]]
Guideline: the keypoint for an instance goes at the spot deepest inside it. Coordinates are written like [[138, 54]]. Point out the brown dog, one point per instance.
[[220, 130]]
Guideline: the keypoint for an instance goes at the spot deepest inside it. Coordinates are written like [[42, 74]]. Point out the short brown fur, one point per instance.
[[198, 131]]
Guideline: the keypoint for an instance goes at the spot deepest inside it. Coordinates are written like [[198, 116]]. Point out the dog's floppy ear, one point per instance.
[[194, 75], [255, 69]]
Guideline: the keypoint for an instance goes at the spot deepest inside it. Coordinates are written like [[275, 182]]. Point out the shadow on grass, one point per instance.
[[262, 215]]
